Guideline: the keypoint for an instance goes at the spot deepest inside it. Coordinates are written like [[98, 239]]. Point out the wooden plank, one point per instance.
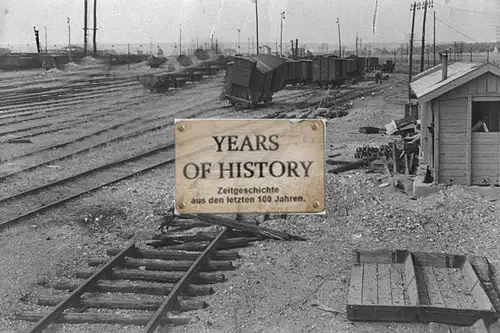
[[475, 288], [356, 285], [181, 285], [138, 319], [135, 287], [454, 136], [155, 276], [482, 84], [452, 173], [164, 265], [452, 147], [450, 159], [452, 180], [177, 254], [472, 87], [487, 166], [77, 293], [411, 281], [453, 166], [369, 293], [398, 285], [435, 296], [492, 83], [384, 284], [438, 259], [436, 144], [380, 256], [462, 90], [468, 144], [458, 128], [129, 304]]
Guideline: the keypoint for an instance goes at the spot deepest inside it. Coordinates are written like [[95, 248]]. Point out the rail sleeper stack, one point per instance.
[[405, 286]]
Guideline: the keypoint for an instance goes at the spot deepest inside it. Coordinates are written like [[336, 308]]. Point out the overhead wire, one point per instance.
[[452, 28]]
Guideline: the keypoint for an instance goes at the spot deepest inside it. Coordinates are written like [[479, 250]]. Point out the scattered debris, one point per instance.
[[326, 308]]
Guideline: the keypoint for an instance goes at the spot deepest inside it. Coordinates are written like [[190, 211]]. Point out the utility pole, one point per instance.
[[95, 27], [281, 33], [253, 46], [248, 45], [423, 39], [86, 5], [434, 47], [197, 46], [413, 8], [180, 39], [356, 43], [69, 38], [45, 39], [340, 44], [239, 32], [257, 24]]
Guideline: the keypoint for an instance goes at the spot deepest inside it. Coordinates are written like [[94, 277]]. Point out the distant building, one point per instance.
[[266, 49], [4, 50]]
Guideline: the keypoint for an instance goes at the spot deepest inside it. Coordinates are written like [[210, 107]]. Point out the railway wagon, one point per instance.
[[254, 79], [335, 70], [195, 74], [320, 71], [372, 63], [292, 74], [161, 82], [305, 71], [350, 66]]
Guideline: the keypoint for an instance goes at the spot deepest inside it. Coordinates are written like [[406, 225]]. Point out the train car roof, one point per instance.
[[264, 62]]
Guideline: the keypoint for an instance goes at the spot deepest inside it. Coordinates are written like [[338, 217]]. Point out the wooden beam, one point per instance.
[[134, 287], [436, 142], [79, 290], [155, 276], [163, 265], [172, 296], [129, 304], [468, 147], [177, 254], [424, 132], [106, 318]]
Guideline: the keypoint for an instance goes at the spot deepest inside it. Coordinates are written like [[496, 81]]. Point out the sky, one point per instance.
[[125, 21]]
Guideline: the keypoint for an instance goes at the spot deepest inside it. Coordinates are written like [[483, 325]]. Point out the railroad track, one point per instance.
[[189, 265]]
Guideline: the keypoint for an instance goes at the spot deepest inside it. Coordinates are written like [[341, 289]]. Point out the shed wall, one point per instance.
[[452, 139]]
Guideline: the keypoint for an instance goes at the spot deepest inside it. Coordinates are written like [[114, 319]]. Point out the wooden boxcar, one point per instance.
[[350, 68], [161, 82], [320, 71], [254, 79], [306, 71], [335, 70], [292, 74]]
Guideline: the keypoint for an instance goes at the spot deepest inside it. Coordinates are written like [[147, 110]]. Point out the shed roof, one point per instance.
[[429, 84]]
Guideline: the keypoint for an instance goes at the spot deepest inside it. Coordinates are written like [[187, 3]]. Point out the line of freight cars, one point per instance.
[[327, 70], [161, 82]]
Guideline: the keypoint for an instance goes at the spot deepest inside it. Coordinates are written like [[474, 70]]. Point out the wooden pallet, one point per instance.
[[405, 286]]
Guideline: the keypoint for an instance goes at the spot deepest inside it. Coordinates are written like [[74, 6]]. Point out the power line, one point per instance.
[[468, 11], [452, 28]]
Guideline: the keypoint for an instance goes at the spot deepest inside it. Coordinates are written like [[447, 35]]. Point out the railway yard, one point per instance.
[[87, 177]]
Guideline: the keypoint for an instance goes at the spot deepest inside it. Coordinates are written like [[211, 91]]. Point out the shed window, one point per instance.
[[485, 116]]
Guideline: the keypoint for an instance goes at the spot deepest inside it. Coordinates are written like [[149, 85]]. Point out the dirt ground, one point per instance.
[[276, 284]]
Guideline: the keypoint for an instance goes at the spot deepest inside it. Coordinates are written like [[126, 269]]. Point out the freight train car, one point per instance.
[[335, 70], [292, 73], [320, 71], [305, 71], [254, 79]]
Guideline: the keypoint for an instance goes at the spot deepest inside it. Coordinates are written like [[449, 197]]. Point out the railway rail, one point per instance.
[[188, 269]]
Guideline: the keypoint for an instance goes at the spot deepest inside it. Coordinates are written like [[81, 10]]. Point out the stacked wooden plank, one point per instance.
[[405, 286]]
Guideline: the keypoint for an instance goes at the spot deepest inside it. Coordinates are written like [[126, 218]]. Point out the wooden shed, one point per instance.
[[459, 108]]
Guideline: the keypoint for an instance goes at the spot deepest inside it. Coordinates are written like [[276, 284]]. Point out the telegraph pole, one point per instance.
[[85, 28], [95, 27], [257, 25], [434, 47], [426, 4], [413, 8], [45, 39], [239, 32], [69, 38], [340, 44], [180, 39], [248, 45], [281, 33], [356, 43]]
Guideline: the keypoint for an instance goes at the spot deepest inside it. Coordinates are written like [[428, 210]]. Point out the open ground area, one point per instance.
[[56, 126]]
